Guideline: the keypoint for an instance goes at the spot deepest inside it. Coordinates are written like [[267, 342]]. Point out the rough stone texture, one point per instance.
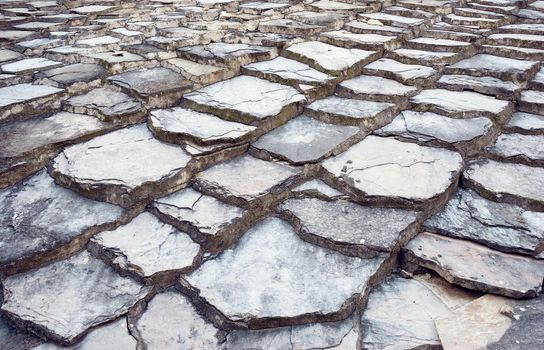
[[476, 267], [376, 88], [527, 148], [527, 123], [75, 301], [495, 66], [403, 73]]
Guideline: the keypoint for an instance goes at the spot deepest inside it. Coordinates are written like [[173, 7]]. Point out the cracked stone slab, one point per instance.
[[506, 90], [532, 101], [461, 104], [389, 170], [245, 178], [154, 327], [29, 65], [73, 74], [74, 302], [409, 74], [400, 313], [159, 87], [280, 278], [107, 104], [500, 226], [146, 248], [526, 123], [122, 167], [429, 58], [526, 149], [348, 227], [369, 115], [509, 324], [203, 74], [366, 41], [318, 140], [495, 66], [256, 99], [25, 100], [36, 225], [493, 180], [231, 55], [374, 88], [177, 125], [475, 266], [330, 59]]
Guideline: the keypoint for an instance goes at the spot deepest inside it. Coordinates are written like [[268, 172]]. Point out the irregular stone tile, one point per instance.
[[146, 248], [337, 7], [9, 55], [288, 26], [360, 41], [403, 73], [521, 53], [486, 85], [12, 339], [26, 100], [75, 302], [324, 19], [523, 40], [527, 149], [73, 74], [107, 104], [494, 66], [232, 55], [280, 278], [330, 59], [29, 65], [317, 141], [155, 326], [400, 313], [348, 227], [430, 58], [202, 74], [392, 20], [114, 334], [375, 28], [526, 123], [435, 44], [36, 225], [317, 188], [373, 88], [122, 167], [369, 115], [475, 266], [478, 22], [509, 324], [255, 100], [379, 168], [245, 179], [158, 87], [177, 125], [494, 180], [532, 101], [461, 104], [503, 227], [116, 61]]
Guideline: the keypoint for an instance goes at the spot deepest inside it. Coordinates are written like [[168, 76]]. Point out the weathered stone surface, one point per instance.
[[391, 170], [526, 123], [170, 321], [122, 167], [245, 178], [198, 73], [403, 73], [28, 100], [316, 142], [525, 148], [278, 276], [74, 73], [494, 66], [256, 99], [146, 247], [318, 187], [12, 339], [288, 26], [178, 125], [360, 41], [74, 301], [349, 227], [503, 227], [29, 65], [41, 220], [532, 101], [429, 58], [493, 179], [232, 55], [106, 104], [400, 313], [476, 267], [485, 85], [376, 89]]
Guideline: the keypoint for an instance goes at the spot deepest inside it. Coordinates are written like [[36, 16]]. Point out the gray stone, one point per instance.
[[63, 301], [231, 55], [319, 187], [12, 339], [404, 73], [526, 123], [27, 100], [475, 266], [273, 275], [304, 140], [41, 220], [288, 26], [376, 89], [495, 66], [503, 227], [525, 148], [361, 41], [532, 101], [29, 65], [485, 85], [74, 73]]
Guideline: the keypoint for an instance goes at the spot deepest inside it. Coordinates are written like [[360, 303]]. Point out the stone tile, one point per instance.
[[317, 188], [74, 301], [29, 65], [501, 226], [521, 148], [379, 168], [122, 167], [9, 55], [326, 19], [493, 180], [202, 74], [274, 273], [288, 26], [476, 267], [178, 125], [403, 73], [347, 227], [330, 59], [117, 61], [245, 179], [26, 100], [526, 123], [430, 58], [374, 88], [231, 55], [73, 74], [532, 101], [107, 104], [366, 41], [255, 100], [501, 89], [369, 115], [522, 40], [494, 66], [12, 339], [158, 87], [317, 141], [392, 20], [370, 28]]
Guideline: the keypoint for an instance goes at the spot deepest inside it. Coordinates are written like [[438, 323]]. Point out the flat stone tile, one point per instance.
[[74, 301], [232, 55], [317, 188], [494, 66], [501, 89], [403, 73], [475, 266], [364, 41], [392, 20], [74, 73], [532, 101], [304, 139], [202, 74], [429, 58], [374, 88], [528, 149], [29, 65], [526, 123], [522, 40], [28, 100], [288, 26]]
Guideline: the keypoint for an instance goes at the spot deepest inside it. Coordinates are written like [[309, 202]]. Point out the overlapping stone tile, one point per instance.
[[404, 73], [232, 55], [374, 88], [527, 149], [26, 100], [494, 66], [526, 123], [501, 89], [77, 73], [532, 101], [365, 41]]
